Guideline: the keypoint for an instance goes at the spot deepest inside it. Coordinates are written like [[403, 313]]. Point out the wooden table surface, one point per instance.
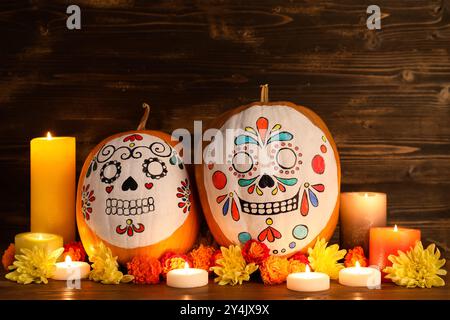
[[57, 290]]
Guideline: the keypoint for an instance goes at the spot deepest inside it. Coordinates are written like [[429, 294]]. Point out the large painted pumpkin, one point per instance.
[[135, 195], [271, 173]]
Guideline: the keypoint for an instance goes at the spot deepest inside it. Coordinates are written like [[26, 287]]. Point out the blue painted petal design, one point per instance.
[[243, 139], [246, 182], [225, 207], [287, 181], [282, 136], [313, 198]]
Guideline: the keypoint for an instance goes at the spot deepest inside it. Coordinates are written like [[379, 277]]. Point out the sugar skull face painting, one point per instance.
[[135, 192], [272, 174]]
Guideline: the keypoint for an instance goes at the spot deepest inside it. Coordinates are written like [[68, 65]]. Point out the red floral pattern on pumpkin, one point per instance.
[[185, 196], [132, 138], [87, 197], [270, 234]]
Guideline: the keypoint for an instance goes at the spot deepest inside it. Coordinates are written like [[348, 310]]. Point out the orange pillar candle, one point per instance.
[[52, 175], [387, 241]]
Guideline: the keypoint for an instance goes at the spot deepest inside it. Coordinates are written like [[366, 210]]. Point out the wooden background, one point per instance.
[[385, 95]]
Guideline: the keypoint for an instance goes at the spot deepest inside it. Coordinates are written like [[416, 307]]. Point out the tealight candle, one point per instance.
[[71, 270], [308, 281], [360, 211], [52, 186], [28, 240], [358, 276], [187, 277], [387, 241]]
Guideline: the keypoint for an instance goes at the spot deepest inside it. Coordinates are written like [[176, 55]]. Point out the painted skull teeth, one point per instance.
[[270, 208], [129, 207]]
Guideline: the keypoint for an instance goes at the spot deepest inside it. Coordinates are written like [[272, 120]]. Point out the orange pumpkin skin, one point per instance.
[[180, 241], [326, 232]]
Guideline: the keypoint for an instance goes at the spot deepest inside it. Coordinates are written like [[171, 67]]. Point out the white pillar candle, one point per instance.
[[187, 277], [71, 270], [360, 211], [308, 281], [358, 276]]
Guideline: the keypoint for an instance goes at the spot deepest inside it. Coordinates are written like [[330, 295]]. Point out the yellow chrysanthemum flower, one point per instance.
[[417, 267], [36, 265], [105, 268], [325, 259], [232, 268]]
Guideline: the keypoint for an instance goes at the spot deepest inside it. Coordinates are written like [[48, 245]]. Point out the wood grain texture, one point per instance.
[[385, 95], [57, 290]]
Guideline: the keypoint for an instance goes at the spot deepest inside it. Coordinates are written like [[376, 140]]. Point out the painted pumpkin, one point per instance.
[[135, 195], [271, 172]]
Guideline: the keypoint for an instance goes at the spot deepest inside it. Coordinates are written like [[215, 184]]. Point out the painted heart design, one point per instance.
[[149, 185], [109, 189]]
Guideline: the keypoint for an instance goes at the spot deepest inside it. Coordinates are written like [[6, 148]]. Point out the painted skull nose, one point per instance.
[[129, 184], [266, 181]]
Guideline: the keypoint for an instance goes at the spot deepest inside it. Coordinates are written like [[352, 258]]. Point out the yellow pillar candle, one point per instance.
[[28, 240], [53, 186]]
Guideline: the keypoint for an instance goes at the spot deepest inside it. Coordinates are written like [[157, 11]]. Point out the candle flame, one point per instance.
[[366, 195], [357, 265], [49, 136], [40, 237], [307, 269], [68, 259], [186, 265], [395, 228]]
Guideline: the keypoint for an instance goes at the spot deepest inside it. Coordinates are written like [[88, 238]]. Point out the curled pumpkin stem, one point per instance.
[[144, 118]]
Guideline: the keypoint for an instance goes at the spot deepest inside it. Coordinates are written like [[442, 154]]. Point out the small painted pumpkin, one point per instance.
[[135, 195], [271, 173]]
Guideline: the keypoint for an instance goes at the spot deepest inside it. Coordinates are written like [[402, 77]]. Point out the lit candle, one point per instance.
[[308, 281], [71, 270], [358, 276], [387, 241], [187, 277], [28, 240], [53, 186], [360, 211]]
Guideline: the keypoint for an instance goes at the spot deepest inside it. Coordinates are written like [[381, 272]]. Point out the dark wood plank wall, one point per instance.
[[385, 95]]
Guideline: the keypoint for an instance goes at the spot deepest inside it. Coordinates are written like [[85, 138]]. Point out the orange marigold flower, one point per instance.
[[274, 270], [300, 257], [201, 257], [356, 254], [172, 260], [296, 266], [8, 256], [216, 256], [145, 269], [75, 250], [255, 251]]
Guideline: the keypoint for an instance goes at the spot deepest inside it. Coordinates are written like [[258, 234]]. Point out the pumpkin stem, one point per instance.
[[144, 118], [264, 93]]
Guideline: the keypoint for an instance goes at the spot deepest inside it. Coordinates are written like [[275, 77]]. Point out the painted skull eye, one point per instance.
[[154, 168], [242, 162], [110, 171], [286, 158]]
